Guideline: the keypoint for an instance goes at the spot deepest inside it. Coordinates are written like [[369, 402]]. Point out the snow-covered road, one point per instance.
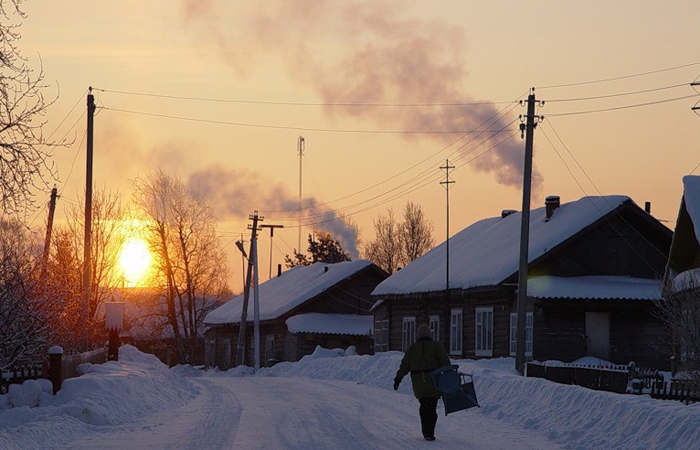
[[303, 413], [329, 400]]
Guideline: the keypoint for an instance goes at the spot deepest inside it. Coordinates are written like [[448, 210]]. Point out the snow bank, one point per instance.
[[110, 393]]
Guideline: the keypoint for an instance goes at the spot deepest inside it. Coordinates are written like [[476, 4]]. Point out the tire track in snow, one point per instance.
[[209, 422], [304, 413]]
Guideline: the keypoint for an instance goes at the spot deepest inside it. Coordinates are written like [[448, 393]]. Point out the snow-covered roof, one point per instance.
[[594, 287], [284, 293], [488, 251], [682, 268], [351, 324]]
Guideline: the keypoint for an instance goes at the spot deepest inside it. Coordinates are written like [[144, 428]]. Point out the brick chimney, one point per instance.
[[551, 203]]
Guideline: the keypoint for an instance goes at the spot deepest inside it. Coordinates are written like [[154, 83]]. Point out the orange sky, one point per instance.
[[378, 89]]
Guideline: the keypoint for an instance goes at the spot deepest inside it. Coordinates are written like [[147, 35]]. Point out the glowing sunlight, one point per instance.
[[135, 261]]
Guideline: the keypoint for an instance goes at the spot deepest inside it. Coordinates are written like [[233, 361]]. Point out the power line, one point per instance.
[[618, 108], [624, 77], [497, 116], [637, 232], [283, 103], [621, 94], [289, 127]]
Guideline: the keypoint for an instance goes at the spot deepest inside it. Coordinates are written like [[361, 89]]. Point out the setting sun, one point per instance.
[[135, 261]]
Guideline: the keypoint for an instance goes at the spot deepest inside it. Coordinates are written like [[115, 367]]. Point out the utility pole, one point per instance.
[[272, 233], [87, 242], [447, 184], [49, 229], [528, 128], [240, 349], [301, 145], [256, 306]]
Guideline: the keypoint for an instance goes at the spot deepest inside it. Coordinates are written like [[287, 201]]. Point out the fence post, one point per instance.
[[55, 357]]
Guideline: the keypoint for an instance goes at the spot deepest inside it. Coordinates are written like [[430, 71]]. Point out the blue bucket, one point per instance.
[[457, 388]]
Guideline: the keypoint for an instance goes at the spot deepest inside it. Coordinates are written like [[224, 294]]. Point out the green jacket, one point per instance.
[[420, 359]]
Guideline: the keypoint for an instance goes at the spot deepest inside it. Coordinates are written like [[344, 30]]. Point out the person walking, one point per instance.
[[420, 359]]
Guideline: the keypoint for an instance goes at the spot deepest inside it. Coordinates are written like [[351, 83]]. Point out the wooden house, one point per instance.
[[320, 304], [594, 272]]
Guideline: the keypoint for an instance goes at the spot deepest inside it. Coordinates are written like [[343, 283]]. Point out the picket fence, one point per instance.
[[619, 379]]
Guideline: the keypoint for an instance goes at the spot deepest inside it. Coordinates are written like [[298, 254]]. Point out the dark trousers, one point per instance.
[[428, 415]]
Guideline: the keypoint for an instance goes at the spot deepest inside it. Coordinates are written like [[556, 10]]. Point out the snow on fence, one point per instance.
[[684, 391], [619, 379], [610, 378], [18, 374], [57, 367]]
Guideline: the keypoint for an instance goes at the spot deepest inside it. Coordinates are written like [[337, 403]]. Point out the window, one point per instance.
[[484, 332], [269, 348], [434, 322], [408, 335], [528, 333], [456, 332], [381, 335]]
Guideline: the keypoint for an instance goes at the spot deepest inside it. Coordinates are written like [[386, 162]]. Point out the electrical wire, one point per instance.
[[620, 94], [607, 219], [288, 127], [487, 123], [618, 108], [624, 77], [281, 103]]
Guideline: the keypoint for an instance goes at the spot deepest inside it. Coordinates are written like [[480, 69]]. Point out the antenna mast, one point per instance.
[[300, 150]]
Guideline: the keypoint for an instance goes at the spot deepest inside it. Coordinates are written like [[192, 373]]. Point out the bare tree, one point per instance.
[[109, 229], [415, 234], [24, 152], [64, 280], [680, 311], [24, 312], [398, 244], [181, 231], [385, 250]]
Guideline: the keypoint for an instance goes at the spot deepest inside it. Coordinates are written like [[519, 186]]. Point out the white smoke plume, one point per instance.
[[364, 52], [237, 193]]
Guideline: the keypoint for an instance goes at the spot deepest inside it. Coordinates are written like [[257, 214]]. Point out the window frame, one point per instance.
[[381, 335], [483, 331], [434, 324], [456, 331], [408, 332]]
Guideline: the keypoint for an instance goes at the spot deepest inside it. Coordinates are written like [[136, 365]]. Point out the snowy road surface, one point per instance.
[[303, 413]]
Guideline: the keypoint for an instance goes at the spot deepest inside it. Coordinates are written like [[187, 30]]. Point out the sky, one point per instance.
[[331, 399], [384, 93]]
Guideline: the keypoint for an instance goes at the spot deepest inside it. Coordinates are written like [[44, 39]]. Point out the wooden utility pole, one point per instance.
[[240, 349], [87, 242], [528, 128], [49, 229], [447, 184]]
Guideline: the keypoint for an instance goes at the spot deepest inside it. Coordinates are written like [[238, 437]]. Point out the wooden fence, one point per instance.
[[57, 367], [684, 391], [619, 379], [19, 374], [611, 379]]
